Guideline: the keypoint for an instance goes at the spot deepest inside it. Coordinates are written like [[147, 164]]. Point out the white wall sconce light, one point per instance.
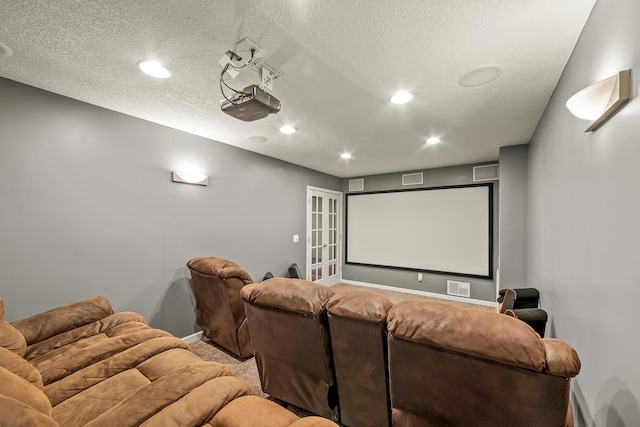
[[190, 178], [601, 100]]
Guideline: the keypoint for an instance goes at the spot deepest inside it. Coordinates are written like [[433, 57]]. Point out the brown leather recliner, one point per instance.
[[455, 366], [288, 323], [216, 284], [357, 321]]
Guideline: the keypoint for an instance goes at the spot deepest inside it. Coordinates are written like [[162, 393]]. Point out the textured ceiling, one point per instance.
[[342, 60]]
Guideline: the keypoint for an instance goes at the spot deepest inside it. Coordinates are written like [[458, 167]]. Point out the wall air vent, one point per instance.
[[485, 173], [412, 178], [459, 289], [356, 184]]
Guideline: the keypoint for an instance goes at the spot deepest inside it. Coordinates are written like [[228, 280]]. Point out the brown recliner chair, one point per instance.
[[216, 284], [358, 325], [455, 366], [288, 323]]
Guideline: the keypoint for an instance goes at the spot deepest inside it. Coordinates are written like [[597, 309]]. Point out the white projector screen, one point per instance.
[[444, 230]]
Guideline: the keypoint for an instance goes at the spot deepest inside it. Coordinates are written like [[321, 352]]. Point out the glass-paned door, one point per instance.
[[324, 236]]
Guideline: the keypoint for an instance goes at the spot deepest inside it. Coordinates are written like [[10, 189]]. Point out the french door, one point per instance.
[[324, 236]]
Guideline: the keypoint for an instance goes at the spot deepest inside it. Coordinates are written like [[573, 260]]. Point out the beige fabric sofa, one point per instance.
[[84, 365]]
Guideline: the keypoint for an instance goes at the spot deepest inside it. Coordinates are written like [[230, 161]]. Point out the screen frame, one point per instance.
[[490, 228]]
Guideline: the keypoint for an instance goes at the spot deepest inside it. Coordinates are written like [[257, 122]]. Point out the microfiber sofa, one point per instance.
[[84, 365]]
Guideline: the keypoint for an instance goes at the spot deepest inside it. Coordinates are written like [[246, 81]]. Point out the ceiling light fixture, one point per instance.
[[257, 139], [154, 69], [345, 155], [401, 97], [190, 178], [288, 129], [481, 75], [433, 140], [601, 100]]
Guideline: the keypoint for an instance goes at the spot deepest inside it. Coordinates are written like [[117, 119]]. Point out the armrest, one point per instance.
[[61, 319], [562, 359]]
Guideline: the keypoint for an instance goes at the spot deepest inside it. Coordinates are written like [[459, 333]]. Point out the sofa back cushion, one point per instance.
[[61, 319], [484, 334]]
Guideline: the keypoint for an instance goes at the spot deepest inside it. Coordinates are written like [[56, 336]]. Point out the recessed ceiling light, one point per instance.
[[345, 155], [288, 129], [433, 140], [401, 97], [154, 69], [257, 138], [5, 50], [481, 75]]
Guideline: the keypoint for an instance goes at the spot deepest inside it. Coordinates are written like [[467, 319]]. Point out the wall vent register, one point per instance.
[[459, 289], [412, 178], [356, 184], [485, 173]]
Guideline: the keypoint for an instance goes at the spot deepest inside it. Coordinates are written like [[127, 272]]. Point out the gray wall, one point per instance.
[[87, 207], [584, 222], [484, 290], [513, 216]]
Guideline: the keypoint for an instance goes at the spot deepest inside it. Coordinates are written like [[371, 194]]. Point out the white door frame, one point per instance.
[[340, 195]]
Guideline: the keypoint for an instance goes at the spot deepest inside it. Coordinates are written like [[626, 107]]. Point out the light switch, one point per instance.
[[296, 238]]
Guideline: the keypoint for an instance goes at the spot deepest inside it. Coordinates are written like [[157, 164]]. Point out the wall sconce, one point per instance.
[[601, 100], [190, 178]]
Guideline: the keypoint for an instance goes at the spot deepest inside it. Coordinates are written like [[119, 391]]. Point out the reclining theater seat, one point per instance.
[[358, 326], [288, 323], [216, 284], [455, 366]]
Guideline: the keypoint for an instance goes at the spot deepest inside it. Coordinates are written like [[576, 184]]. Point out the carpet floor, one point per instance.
[[248, 371]]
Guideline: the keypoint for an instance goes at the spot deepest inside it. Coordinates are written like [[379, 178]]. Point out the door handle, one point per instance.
[[324, 246]]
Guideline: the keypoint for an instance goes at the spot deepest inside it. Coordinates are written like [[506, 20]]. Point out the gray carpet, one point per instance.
[[248, 370]]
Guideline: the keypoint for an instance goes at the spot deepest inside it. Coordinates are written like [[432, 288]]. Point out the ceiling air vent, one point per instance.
[[412, 178], [485, 173], [356, 184]]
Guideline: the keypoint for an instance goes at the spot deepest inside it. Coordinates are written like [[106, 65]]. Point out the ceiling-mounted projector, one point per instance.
[[251, 104]]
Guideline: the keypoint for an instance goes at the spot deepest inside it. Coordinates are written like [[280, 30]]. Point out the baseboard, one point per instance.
[[192, 338], [423, 293]]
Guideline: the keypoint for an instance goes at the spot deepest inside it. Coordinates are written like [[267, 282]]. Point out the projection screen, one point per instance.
[[442, 230]]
